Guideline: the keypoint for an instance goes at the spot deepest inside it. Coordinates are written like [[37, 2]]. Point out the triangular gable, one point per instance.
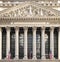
[[30, 9]]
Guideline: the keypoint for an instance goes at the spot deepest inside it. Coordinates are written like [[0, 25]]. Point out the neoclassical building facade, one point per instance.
[[30, 30]]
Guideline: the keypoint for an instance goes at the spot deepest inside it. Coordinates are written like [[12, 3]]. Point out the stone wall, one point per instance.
[[29, 60]]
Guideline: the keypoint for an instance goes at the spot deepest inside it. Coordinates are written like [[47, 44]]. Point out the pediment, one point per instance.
[[29, 10]]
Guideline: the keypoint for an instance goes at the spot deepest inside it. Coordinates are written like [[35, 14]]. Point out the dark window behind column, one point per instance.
[[30, 43], [3, 43], [56, 43], [21, 43], [47, 42], [12, 43], [38, 43]]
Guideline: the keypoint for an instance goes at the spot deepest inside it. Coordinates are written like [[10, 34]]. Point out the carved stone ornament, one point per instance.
[[28, 11]]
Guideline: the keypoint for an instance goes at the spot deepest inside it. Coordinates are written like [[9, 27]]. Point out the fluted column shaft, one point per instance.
[[7, 41], [0, 43], [16, 42], [25, 42], [52, 41], [34, 43], [59, 43], [42, 42]]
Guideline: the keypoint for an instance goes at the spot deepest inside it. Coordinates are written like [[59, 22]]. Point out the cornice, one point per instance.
[[30, 18]]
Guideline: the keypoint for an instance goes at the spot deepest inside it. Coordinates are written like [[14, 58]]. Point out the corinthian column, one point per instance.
[[34, 43], [42, 42], [16, 42], [52, 41], [25, 42], [59, 43], [7, 41], [0, 43]]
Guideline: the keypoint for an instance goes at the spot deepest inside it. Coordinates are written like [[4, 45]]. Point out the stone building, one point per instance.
[[30, 30]]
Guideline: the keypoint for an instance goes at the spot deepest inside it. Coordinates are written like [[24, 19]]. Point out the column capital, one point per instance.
[[34, 28], [8, 28], [16, 28], [43, 28], [59, 28], [52, 28], [25, 28], [0, 28]]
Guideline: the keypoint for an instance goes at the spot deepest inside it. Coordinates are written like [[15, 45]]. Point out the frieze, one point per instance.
[[47, 18]]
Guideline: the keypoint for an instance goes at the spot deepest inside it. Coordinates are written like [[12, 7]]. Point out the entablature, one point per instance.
[[31, 18], [52, 20]]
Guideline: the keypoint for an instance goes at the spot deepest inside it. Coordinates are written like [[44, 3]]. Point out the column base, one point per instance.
[[25, 58], [34, 58], [5, 58], [52, 57], [43, 57], [16, 57]]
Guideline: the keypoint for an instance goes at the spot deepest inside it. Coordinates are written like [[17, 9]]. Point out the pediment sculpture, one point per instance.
[[28, 11]]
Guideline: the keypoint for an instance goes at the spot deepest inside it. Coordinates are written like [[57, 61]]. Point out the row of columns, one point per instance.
[[34, 42]]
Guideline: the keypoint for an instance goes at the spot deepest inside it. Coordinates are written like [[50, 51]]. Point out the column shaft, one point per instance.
[[16, 42], [59, 43], [8, 41], [0, 43], [34, 43], [25, 42], [52, 40], [43, 43]]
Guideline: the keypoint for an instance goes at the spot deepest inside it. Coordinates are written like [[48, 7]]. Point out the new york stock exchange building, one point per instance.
[[29, 31]]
